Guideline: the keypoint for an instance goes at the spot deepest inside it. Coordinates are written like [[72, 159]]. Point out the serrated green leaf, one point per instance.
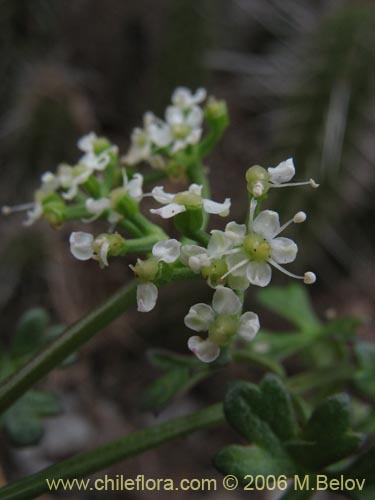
[[253, 460], [245, 409], [159, 393], [30, 332], [329, 420], [278, 408], [292, 303]]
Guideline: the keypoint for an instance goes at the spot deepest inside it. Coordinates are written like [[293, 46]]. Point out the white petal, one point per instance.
[[195, 117], [248, 325], [236, 232], [174, 115], [34, 214], [238, 282], [225, 301], [193, 137], [199, 317], [147, 294], [86, 143], [212, 207], [159, 195], [81, 245], [283, 250], [205, 350], [218, 244], [194, 257], [283, 172], [160, 135], [267, 224], [259, 273], [234, 260], [200, 95], [97, 206], [103, 253], [168, 251], [196, 189], [134, 187], [169, 210]]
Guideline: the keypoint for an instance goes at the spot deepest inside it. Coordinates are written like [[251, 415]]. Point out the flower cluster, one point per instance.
[[104, 186], [159, 139]]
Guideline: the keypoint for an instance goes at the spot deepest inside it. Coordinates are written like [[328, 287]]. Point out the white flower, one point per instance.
[[86, 142], [184, 98], [81, 245], [180, 202], [280, 175], [167, 251], [71, 178], [222, 323], [95, 162], [260, 246], [133, 188]]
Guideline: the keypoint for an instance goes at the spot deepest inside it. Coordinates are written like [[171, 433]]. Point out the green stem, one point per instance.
[[143, 244], [200, 236], [74, 212], [133, 444], [60, 348], [130, 227], [146, 226]]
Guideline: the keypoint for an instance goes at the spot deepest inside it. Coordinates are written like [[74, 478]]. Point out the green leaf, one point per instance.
[[365, 378], [160, 392], [30, 332], [254, 460], [23, 421], [292, 303], [262, 415], [327, 437]]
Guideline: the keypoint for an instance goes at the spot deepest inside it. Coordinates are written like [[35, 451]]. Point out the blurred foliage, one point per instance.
[[23, 422]]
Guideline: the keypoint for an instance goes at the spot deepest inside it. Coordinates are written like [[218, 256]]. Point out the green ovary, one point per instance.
[[256, 247], [222, 329], [187, 199], [215, 271], [180, 131]]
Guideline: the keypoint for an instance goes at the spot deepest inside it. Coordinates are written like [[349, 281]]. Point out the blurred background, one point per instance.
[[299, 80]]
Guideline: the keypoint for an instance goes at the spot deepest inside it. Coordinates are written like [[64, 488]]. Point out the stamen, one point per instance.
[[253, 205], [124, 178], [311, 183], [297, 219], [258, 189], [230, 252], [5, 210], [288, 273], [237, 266], [308, 278]]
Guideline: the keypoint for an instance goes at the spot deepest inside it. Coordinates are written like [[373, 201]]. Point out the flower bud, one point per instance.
[[216, 112], [53, 209], [257, 179], [146, 270]]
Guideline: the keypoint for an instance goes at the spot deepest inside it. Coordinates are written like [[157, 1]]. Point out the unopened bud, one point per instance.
[[257, 179]]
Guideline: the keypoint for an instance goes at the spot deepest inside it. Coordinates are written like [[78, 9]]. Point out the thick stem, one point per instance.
[[87, 463], [57, 350]]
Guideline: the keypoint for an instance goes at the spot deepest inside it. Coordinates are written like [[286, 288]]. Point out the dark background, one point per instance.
[[298, 77]]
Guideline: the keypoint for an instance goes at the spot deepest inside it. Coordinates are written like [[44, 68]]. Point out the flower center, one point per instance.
[[222, 329], [180, 130], [215, 271], [256, 247], [188, 199], [141, 139]]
